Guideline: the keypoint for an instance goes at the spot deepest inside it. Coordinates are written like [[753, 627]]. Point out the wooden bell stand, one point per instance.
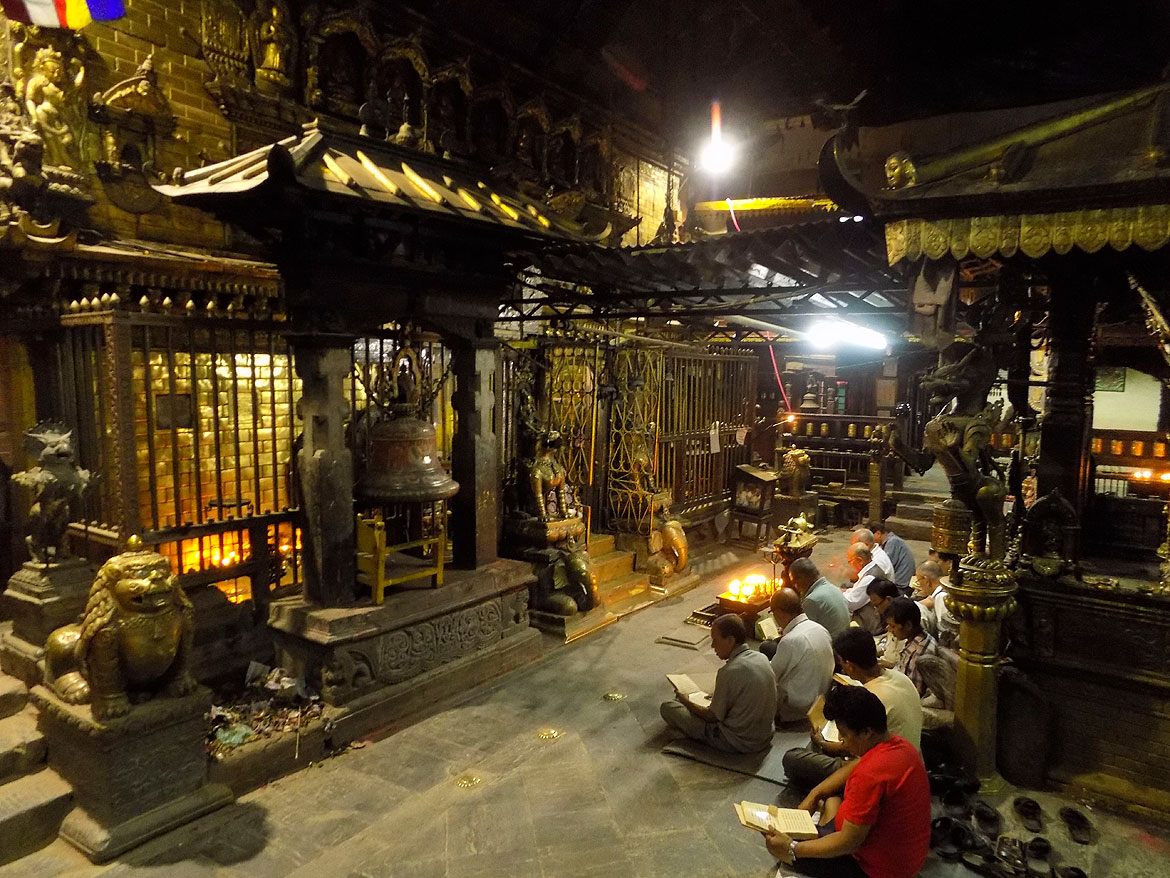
[[380, 566]]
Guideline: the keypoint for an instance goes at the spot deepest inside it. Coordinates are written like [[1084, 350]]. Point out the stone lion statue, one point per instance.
[[795, 472], [133, 639]]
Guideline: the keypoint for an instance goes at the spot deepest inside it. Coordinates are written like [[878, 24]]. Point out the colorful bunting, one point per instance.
[[72, 14]]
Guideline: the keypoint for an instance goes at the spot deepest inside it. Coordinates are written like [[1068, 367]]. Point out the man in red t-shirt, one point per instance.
[[881, 826]]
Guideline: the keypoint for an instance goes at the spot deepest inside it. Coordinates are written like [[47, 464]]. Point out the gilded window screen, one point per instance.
[[214, 431]]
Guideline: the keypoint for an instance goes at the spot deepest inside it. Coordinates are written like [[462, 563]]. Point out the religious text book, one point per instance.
[[796, 823], [685, 686]]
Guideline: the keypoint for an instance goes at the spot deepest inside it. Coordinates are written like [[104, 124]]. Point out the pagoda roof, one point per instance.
[[360, 175]]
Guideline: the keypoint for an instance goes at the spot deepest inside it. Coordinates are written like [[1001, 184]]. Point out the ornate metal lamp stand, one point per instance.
[[981, 596]]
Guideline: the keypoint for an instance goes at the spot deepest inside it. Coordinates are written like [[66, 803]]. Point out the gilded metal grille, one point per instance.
[[633, 438], [704, 391], [188, 423], [571, 393], [214, 430]]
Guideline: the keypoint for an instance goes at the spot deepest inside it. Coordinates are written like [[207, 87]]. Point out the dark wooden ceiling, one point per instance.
[[662, 62]]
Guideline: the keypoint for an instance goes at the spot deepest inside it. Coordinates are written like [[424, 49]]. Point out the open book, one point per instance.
[[846, 680], [827, 728], [685, 686], [794, 822]]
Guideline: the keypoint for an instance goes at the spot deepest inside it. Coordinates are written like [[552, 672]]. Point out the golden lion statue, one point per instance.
[[135, 636]]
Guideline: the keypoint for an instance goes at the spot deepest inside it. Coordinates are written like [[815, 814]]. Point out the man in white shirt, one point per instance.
[[861, 560], [803, 662], [865, 536], [930, 592], [806, 767]]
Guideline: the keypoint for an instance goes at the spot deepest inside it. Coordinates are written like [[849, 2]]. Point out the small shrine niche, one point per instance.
[[447, 120], [491, 126], [530, 147], [132, 116], [401, 83], [592, 166], [563, 155], [397, 112], [343, 70]]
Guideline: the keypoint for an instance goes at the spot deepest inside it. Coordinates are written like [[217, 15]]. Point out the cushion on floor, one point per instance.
[[766, 765]]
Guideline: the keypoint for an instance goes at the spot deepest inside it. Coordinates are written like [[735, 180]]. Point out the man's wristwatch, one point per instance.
[[792, 849]]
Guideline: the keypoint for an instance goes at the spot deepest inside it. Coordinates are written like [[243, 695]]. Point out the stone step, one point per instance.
[[31, 810], [621, 588], [636, 599], [910, 528], [13, 695], [601, 544], [612, 565], [916, 511], [22, 746]]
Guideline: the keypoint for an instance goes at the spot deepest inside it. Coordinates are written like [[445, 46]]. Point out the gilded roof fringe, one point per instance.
[[1032, 234]]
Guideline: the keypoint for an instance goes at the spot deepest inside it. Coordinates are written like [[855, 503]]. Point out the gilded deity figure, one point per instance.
[[274, 51], [45, 99], [548, 480]]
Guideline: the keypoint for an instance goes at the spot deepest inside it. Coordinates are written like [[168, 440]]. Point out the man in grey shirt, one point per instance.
[[804, 661], [899, 553], [822, 601], [743, 705]]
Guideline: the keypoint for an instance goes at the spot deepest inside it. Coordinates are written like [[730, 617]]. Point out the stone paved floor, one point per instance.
[[599, 800]]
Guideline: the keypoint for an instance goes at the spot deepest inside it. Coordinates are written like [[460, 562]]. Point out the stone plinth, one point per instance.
[[569, 628], [134, 777], [785, 508], [364, 658], [39, 599]]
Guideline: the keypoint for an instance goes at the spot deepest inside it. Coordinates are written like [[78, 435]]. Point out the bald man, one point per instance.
[[803, 663], [877, 554]]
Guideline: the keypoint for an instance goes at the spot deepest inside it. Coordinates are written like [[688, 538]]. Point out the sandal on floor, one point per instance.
[[1030, 813], [960, 840], [989, 867], [956, 804], [1038, 851], [940, 830], [941, 781], [1071, 872], [988, 818], [1078, 825]]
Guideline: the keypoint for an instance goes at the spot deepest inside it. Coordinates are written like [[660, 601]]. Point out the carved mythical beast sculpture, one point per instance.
[[57, 483], [134, 637], [796, 472]]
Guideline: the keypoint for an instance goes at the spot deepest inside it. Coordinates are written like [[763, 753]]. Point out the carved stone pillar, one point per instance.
[[981, 596], [1068, 406], [325, 472], [475, 454]]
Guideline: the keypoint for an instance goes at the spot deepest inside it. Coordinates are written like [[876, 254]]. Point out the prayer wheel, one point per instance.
[[402, 462]]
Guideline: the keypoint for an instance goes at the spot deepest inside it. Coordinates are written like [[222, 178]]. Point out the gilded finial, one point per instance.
[[134, 543]]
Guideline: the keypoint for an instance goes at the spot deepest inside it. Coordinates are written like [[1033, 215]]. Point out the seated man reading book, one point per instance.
[[802, 659], [743, 705], [856, 652], [875, 810]]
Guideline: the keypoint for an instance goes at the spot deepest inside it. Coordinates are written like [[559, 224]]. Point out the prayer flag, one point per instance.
[[72, 14]]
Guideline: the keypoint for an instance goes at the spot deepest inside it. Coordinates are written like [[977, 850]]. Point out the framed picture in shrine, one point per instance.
[[1110, 379]]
